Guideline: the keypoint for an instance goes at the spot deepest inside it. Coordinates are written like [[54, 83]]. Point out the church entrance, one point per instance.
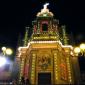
[[44, 78]]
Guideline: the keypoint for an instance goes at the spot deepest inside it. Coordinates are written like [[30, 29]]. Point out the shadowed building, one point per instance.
[[45, 60]]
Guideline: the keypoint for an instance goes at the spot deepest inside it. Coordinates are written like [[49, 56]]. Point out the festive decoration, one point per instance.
[[44, 62], [45, 11], [26, 36], [65, 38], [46, 53]]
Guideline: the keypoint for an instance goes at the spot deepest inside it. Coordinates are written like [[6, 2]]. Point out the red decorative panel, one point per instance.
[[26, 69], [35, 28], [43, 22], [63, 70]]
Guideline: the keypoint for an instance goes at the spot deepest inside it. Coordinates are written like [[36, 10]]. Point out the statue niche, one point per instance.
[[44, 62], [44, 27]]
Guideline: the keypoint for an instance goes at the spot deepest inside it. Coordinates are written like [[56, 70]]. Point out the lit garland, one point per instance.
[[69, 70], [33, 69], [56, 66], [21, 70]]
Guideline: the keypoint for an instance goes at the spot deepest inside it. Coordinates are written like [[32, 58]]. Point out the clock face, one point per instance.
[[44, 62]]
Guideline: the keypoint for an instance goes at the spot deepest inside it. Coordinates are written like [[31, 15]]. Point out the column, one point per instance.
[[55, 67], [33, 69], [21, 68]]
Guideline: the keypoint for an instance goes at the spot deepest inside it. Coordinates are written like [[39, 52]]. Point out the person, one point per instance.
[[14, 82], [22, 81], [27, 82]]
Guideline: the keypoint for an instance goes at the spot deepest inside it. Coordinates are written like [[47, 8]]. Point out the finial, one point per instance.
[[45, 5], [45, 10]]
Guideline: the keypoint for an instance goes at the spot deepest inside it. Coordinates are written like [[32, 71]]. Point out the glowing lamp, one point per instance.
[[77, 50], [3, 48], [9, 51], [82, 46], [2, 61]]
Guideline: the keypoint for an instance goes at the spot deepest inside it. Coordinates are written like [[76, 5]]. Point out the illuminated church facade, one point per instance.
[[46, 60]]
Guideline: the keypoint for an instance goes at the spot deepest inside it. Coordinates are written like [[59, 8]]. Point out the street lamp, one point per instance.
[[4, 50], [80, 50], [82, 47], [76, 50], [7, 51]]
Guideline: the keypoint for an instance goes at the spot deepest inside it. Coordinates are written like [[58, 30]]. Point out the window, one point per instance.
[[44, 27]]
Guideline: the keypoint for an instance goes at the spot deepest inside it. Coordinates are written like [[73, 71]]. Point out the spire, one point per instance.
[[19, 43], [26, 36], [65, 38]]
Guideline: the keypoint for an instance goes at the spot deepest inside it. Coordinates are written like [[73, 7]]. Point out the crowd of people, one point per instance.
[[23, 82]]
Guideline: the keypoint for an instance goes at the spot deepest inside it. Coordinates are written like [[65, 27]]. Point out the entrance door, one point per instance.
[[44, 78]]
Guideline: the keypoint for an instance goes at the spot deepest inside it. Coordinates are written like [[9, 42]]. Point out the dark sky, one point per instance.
[[16, 15]]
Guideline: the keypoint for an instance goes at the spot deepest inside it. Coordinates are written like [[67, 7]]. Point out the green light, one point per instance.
[[44, 15]]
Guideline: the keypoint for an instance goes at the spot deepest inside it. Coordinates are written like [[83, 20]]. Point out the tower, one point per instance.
[[45, 60]]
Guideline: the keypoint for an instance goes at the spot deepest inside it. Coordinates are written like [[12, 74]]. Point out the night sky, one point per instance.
[[16, 15]]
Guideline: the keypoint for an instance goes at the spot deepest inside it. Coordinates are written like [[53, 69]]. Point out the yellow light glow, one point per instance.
[[9, 51], [70, 80], [56, 68], [82, 46], [3, 48], [76, 50], [44, 14], [56, 77]]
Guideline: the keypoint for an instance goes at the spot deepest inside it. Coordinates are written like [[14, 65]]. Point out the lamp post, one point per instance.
[[80, 50], [4, 50], [76, 51], [7, 51], [6, 63]]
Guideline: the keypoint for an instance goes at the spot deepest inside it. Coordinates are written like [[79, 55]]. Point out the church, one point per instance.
[[48, 59]]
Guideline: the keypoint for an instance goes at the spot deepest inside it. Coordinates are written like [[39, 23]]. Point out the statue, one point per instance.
[[45, 6], [45, 10]]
